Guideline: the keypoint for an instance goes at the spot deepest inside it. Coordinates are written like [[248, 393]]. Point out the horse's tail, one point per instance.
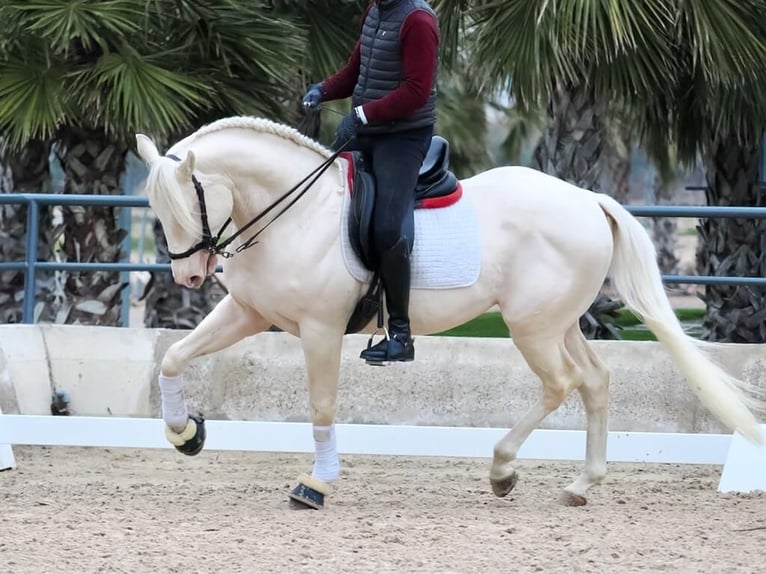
[[636, 277]]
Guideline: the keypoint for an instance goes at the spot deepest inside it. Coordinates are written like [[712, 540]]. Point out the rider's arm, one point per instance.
[[419, 42], [341, 84]]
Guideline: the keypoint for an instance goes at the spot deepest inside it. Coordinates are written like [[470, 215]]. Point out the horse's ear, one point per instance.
[[186, 167], [147, 151]]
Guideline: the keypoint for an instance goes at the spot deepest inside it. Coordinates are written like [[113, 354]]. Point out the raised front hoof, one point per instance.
[[309, 494], [501, 487], [191, 440], [571, 499]]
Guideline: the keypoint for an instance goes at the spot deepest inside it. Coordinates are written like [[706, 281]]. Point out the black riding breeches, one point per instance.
[[395, 159]]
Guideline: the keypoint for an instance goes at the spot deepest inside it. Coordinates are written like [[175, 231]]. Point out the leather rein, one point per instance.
[[215, 245]]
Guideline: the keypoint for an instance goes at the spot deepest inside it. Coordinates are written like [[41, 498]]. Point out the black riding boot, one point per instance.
[[395, 275]]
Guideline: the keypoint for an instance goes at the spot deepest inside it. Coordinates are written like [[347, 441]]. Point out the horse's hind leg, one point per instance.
[[595, 396], [550, 360]]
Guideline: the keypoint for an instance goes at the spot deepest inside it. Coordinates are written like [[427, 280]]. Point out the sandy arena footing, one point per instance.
[[121, 510]]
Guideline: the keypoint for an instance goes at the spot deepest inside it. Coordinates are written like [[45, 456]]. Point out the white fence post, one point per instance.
[[745, 467], [7, 461]]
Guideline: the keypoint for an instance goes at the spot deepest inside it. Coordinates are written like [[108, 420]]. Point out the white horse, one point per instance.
[[546, 248]]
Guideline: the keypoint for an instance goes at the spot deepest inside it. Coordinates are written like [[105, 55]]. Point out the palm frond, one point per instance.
[[127, 92], [328, 28], [33, 100], [532, 46], [453, 21], [90, 23]]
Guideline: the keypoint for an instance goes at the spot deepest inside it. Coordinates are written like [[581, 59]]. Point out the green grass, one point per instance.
[[492, 325], [486, 325]]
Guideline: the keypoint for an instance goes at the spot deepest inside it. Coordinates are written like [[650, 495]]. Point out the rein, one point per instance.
[[213, 243]]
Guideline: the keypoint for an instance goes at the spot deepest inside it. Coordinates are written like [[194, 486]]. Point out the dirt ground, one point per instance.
[[155, 511]]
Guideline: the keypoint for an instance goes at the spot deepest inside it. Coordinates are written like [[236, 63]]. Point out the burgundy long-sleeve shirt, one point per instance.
[[419, 42]]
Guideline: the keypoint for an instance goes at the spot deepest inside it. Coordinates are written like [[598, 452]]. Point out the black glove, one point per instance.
[[313, 96], [347, 129]]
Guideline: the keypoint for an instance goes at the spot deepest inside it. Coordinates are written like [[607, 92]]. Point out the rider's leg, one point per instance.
[[396, 161]]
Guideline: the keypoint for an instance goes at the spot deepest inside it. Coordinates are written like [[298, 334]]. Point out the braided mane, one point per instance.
[[261, 125]]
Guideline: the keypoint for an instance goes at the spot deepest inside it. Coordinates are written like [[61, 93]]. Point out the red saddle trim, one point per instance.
[[349, 171], [441, 201], [428, 203]]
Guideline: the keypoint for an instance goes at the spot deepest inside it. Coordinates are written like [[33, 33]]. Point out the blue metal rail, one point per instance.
[[30, 266]]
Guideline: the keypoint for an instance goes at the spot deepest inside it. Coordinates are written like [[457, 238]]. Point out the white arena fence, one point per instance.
[[744, 465]]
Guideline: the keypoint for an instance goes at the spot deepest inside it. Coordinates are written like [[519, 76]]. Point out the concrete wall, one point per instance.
[[453, 382]]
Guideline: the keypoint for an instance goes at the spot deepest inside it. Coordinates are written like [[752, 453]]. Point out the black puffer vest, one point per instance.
[[380, 69]]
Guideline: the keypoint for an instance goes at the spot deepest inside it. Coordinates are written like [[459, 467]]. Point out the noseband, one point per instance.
[[214, 245]]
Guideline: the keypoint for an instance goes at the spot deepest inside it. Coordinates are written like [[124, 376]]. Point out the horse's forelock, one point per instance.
[[166, 194]]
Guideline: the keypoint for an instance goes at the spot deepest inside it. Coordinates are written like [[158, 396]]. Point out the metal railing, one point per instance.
[[31, 265]]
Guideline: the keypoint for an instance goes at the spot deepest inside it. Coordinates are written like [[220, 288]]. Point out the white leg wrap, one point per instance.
[[326, 463], [174, 411]]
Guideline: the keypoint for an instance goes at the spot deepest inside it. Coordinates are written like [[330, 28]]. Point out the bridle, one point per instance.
[[215, 245], [209, 242]]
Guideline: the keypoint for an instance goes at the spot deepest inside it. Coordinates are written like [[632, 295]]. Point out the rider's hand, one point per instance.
[[313, 96], [347, 128]]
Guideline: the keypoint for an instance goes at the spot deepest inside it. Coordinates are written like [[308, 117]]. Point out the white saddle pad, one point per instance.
[[446, 252]]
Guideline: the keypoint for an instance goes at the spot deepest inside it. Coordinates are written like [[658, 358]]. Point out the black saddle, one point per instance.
[[435, 183]]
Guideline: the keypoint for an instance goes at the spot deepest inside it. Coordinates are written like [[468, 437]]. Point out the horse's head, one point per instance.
[[193, 207]]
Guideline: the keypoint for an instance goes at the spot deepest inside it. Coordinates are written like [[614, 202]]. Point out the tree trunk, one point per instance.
[[93, 165], [24, 172], [171, 306], [619, 162], [573, 138], [734, 247], [664, 228]]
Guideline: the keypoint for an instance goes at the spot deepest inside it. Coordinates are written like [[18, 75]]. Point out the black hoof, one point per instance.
[[501, 488], [309, 493], [194, 444]]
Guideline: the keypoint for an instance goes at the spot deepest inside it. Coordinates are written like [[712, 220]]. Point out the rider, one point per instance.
[[391, 77]]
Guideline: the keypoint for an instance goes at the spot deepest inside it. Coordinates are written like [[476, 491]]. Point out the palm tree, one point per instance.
[[89, 75], [719, 113], [24, 171], [666, 175], [574, 59]]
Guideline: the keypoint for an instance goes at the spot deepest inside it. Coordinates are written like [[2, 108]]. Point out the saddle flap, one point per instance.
[[362, 203]]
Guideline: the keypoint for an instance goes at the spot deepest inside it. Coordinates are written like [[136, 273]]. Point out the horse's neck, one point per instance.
[[264, 167]]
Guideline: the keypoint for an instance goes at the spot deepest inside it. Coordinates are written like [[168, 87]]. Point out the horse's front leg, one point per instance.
[[322, 350], [226, 324]]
